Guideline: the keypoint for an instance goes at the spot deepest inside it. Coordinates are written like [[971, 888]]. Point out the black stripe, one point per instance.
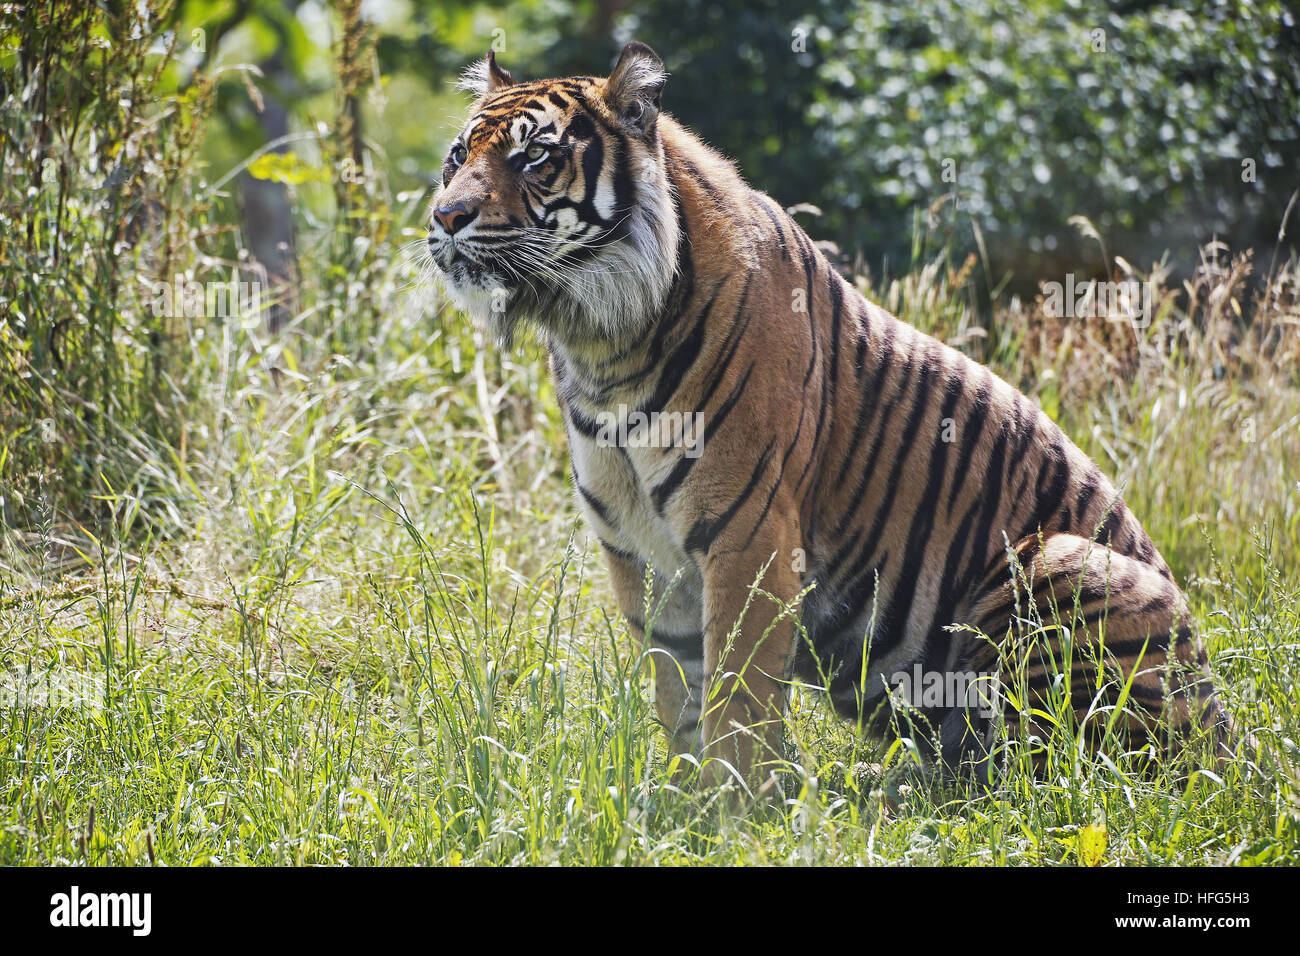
[[678, 643], [1049, 491], [761, 201], [883, 416], [868, 402], [705, 530], [972, 432], [836, 292], [1086, 494], [917, 547], [595, 503], [994, 480], [664, 490], [895, 612], [620, 553]]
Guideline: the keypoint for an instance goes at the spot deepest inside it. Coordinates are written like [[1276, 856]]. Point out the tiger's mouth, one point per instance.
[[582, 286], [479, 283], [511, 272], [509, 267], [462, 269], [459, 263]]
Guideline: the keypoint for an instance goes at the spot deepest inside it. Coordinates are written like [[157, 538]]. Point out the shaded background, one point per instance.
[[938, 121]]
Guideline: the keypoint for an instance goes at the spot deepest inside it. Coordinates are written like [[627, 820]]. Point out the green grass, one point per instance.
[[386, 638]]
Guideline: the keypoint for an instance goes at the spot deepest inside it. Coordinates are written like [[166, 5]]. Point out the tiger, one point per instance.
[[787, 482]]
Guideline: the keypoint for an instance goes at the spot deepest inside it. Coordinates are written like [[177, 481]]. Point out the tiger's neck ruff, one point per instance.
[[894, 496]]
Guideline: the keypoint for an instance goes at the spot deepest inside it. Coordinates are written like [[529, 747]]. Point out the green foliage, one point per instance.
[[287, 168], [98, 201], [1138, 116]]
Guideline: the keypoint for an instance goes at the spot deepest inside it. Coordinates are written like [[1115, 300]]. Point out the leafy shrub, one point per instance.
[[1165, 124], [98, 201]]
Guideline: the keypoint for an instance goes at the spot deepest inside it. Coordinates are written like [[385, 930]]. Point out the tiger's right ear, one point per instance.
[[635, 88], [485, 77]]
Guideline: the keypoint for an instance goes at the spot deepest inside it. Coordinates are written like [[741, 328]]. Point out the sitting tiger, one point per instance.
[[901, 508]]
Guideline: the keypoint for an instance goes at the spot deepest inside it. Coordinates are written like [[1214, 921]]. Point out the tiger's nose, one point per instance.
[[454, 218]]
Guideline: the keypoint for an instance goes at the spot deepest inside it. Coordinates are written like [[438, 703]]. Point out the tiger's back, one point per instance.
[[842, 455]]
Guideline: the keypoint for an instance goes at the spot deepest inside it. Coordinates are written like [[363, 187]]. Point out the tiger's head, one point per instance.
[[555, 205]]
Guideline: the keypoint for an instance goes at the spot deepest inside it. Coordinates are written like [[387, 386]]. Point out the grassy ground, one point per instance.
[[381, 634]]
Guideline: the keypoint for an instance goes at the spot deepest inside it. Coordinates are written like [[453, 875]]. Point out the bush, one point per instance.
[[1166, 125], [98, 202]]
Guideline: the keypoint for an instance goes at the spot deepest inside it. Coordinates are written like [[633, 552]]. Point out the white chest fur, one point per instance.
[[614, 486]]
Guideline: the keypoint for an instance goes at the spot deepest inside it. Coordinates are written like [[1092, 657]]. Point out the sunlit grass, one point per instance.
[[383, 636]]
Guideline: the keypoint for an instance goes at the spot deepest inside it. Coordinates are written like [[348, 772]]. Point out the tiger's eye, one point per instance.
[[458, 154], [536, 152]]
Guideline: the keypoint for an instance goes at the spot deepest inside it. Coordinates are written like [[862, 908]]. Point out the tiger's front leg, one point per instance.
[[673, 621], [748, 651]]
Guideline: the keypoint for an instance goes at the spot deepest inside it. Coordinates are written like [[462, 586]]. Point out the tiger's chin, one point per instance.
[[603, 303], [604, 300], [485, 298]]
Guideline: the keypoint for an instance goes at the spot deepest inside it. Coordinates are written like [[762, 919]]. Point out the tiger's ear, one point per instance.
[[485, 77], [633, 91]]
